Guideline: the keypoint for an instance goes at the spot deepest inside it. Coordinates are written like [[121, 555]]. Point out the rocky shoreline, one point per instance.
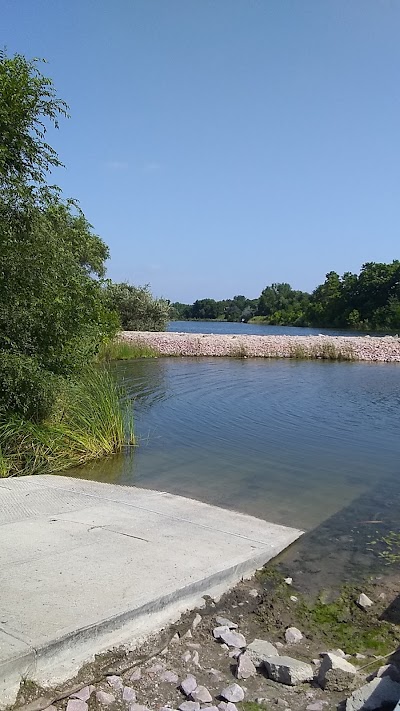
[[255, 649], [384, 349]]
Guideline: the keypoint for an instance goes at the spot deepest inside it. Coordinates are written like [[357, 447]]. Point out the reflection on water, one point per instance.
[[292, 442]]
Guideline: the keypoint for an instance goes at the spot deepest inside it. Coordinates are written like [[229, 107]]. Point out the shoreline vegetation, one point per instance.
[[384, 349]]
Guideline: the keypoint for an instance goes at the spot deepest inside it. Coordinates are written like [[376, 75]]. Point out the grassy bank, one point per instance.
[[125, 350], [91, 419]]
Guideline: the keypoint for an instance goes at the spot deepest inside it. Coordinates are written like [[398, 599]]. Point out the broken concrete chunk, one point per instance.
[[293, 635], [217, 631], [77, 705], [364, 601], [128, 694], [190, 706], [245, 668], [233, 639], [288, 671], [170, 677], [197, 619], [389, 670], [136, 675], [259, 650], [115, 682], [233, 693], [189, 684], [201, 694], [83, 694], [224, 622], [104, 698], [373, 695], [336, 673]]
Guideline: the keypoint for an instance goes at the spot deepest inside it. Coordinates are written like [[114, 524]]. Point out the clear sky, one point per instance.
[[220, 145]]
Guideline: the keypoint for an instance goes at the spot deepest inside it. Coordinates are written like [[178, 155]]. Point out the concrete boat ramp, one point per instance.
[[86, 566]]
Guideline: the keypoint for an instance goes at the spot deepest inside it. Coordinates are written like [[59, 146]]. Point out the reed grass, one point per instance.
[[93, 419], [323, 351], [125, 350]]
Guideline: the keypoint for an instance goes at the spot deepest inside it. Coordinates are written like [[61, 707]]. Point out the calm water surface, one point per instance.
[[290, 441], [251, 329]]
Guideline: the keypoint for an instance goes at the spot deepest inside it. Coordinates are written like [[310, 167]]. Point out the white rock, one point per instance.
[[104, 698], [196, 659], [77, 705], [128, 694], [235, 652], [186, 657], [233, 693], [288, 581], [227, 706], [293, 635], [190, 706], [189, 684], [336, 673], [138, 707], [84, 694], [316, 706], [253, 592], [187, 635], [364, 601], [201, 694], [217, 631], [288, 671], [259, 650], [224, 622], [360, 656], [225, 647], [374, 695], [338, 652], [245, 668], [294, 598], [233, 639], [115, 682], [198, 618], [136, 675], [170, 677]]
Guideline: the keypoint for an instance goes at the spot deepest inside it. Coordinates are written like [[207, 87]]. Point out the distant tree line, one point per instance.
[[369, 300]]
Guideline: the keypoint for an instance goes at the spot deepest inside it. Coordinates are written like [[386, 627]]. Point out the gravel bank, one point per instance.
[[366, 348]]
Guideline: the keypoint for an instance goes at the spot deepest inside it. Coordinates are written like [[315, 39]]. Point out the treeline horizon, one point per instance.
[[366, 301]]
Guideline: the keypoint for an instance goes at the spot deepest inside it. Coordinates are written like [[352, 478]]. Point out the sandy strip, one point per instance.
[[367, 348]]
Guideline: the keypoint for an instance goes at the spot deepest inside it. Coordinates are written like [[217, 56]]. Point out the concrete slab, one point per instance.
[[86, 566]]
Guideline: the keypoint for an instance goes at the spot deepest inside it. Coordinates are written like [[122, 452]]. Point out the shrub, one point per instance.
[[137, 309], [26, 389]]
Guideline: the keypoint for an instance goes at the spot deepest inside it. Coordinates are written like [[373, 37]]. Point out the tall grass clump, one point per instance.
[[93, 419], [323, 351], [125, 350]]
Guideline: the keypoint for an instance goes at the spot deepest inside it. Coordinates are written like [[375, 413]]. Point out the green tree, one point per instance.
[[137, 309], [51, 263]]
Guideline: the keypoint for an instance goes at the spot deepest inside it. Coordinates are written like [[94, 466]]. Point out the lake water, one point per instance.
[[311, 444], [252, 329], [290, 441]]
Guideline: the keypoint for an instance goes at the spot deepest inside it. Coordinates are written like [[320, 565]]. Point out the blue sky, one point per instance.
[[220, 145]]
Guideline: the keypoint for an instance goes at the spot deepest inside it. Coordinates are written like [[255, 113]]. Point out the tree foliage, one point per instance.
[[137, 309], [369, 300]]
